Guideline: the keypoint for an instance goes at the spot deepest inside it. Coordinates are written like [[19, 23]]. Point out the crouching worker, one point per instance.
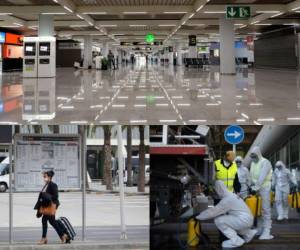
[[232, 217]]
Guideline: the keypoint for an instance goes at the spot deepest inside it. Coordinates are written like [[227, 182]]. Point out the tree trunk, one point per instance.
[[107, 158], [129, 156], [141, 182]]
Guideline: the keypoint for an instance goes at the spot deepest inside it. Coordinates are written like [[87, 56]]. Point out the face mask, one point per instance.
[[254, 158], [238, 163]]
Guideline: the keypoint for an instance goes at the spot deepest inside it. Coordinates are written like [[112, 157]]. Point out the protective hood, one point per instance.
[[280, 163], [256, 150], [221, 189]]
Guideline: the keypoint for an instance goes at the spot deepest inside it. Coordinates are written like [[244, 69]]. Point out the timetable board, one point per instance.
[[35, 154]]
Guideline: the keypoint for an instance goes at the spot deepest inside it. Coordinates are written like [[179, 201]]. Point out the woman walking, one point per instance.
[[47, 205]]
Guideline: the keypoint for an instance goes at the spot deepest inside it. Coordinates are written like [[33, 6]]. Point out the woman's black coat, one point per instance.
[[51, 192]]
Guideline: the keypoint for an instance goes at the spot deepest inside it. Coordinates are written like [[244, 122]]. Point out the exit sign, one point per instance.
[[238, 12]]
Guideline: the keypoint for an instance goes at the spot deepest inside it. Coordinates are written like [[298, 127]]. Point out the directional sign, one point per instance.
[[238, 12], [234, 134]]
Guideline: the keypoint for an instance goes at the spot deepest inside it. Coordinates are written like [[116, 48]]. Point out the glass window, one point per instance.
[[294, 149]]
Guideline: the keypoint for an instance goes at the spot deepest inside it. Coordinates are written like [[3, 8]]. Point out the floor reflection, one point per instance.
[[152, 94]]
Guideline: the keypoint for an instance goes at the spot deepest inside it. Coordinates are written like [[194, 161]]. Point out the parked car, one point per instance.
[[4, 177]]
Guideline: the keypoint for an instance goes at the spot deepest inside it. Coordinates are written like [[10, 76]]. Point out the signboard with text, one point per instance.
[[35, 154], [238, 12]]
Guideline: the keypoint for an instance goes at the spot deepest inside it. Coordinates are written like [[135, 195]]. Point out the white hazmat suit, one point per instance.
[[261, 176], [232, 217], [282, 178], [244, 177]]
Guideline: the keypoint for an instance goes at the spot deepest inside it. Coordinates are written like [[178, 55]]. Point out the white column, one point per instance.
[[179, 54], [104, 50], [193, 52], [88, 51], [171, 57], [46, 25], [227, 59]]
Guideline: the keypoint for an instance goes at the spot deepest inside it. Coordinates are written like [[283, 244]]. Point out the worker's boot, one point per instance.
[[266, 235], [249, 235], [233, 243]]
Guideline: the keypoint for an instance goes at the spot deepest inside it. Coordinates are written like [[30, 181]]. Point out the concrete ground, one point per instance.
[[98, 187], [101, 209]]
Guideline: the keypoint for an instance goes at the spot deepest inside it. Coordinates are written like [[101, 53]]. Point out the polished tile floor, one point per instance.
[[152, 94]]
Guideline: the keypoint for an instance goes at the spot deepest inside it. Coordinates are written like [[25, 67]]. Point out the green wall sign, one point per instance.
[[238, 12]]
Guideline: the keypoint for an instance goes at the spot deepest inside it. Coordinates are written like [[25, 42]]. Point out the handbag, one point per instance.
[[49, 210]]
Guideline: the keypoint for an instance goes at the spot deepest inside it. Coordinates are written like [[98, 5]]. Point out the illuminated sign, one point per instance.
[[2, 37]]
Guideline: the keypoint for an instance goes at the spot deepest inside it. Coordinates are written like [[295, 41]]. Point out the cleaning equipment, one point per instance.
[[193, 232], [294, 200], [272, 197], [195, 236], [254, 204]]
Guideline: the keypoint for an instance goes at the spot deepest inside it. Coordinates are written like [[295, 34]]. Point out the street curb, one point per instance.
[[116, 192], [78, 246]]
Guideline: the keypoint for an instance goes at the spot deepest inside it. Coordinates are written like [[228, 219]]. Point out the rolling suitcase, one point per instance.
[[67, 228]]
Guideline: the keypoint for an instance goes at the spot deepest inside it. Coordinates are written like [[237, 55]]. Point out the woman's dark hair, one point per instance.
[[49, 173]]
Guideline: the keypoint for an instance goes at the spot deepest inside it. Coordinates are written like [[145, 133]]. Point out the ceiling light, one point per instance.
[[5, 14], [10, 26], [134, 12], [95, 13], [255, 22], [263, 24], [137, 25], [167, 25], [55, 1], [79, 16], [214, 12], [18, 24], [90, 23], [200, 7], [267, 11], [68, 9], [296, 8], [78, 25], [109, 25], [53, 13], [278, 14], [191, 15], [294, 24], [175, 12]]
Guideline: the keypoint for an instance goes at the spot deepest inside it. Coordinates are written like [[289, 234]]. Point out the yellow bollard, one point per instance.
[[193, 232]]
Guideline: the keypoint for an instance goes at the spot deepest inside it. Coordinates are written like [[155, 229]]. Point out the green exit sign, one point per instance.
[[238, 12]]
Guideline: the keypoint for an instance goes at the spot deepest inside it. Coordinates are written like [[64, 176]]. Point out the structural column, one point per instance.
[[179, 54], [104, 50], [88, 52], [171, 56], [46, 25], [227, 58]]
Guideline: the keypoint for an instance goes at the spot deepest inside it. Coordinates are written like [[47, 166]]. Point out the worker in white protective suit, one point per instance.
[[232, 217], [261, 176], [281, 180], [244, 177]]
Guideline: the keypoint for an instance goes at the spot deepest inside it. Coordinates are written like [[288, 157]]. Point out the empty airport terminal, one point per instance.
[[164, 61]]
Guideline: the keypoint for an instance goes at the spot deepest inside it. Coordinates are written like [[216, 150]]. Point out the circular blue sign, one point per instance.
[[234, 134]]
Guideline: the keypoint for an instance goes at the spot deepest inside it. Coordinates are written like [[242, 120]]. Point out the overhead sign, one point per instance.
[[192, 40], [234, 134], [35, 154], [150, 38], [238, 12]]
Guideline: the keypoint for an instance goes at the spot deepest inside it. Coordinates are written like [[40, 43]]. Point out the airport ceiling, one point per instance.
[[130, 20]]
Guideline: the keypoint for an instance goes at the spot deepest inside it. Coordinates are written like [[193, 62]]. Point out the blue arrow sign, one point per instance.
[[234, 134]]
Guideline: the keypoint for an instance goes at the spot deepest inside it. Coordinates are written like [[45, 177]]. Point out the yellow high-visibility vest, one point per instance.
[[226, 175]]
